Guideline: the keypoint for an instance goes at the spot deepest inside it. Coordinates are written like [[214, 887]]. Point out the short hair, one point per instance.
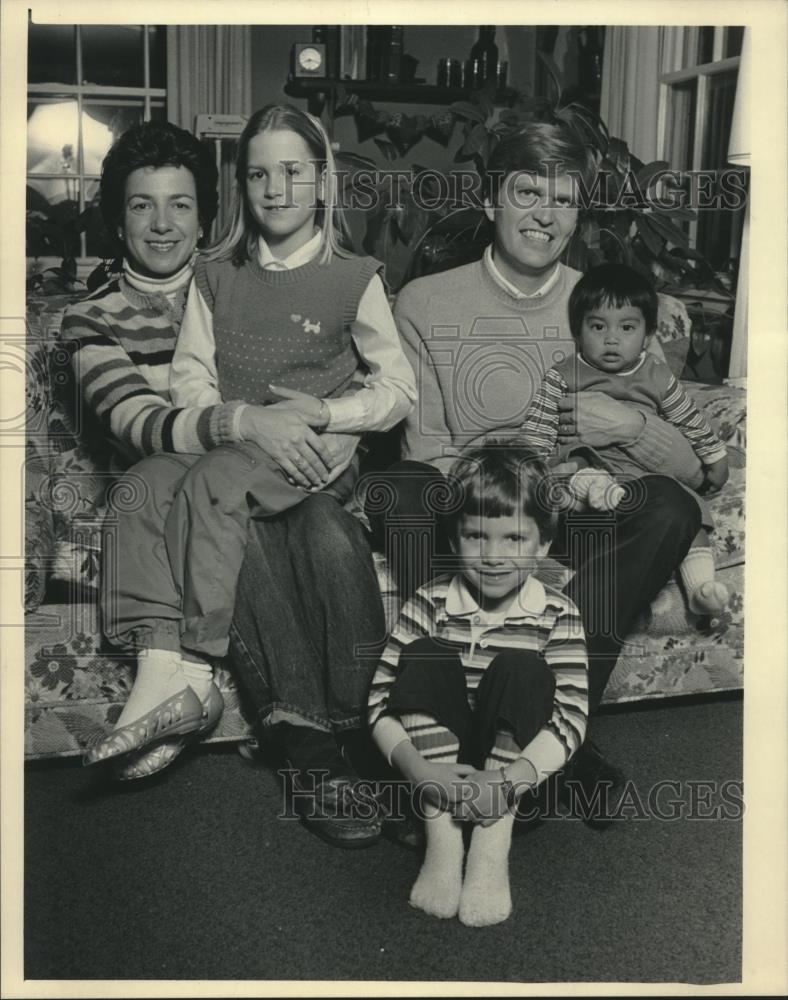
[[157, 144], [501, 479], [612, 284], [540, 148]]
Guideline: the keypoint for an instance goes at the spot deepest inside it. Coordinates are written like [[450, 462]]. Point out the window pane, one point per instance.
[[157, 42], [51, 54], [718, 226], [158, 113], [111, 121], [705, 45], [112, 55], [52, 207], [734, 36], [717, 126], [97, 243], [52, 136], [681, 125]]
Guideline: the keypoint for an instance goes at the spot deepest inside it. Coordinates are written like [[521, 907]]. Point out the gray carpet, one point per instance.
[[193, 877]]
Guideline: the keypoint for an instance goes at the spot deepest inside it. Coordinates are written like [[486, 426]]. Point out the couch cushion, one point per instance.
[[75, 688], [673, 652], [673, 332]]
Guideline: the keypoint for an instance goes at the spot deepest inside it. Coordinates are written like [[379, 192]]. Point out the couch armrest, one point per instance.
[[725, 406]]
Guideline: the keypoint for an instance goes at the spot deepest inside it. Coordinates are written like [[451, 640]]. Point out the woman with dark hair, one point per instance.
[[158, 192]]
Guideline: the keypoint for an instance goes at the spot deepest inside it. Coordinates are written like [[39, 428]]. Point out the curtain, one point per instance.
[[209, 71], [630, 86]]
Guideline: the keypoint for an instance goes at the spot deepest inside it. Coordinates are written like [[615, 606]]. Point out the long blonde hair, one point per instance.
[[239, 240]]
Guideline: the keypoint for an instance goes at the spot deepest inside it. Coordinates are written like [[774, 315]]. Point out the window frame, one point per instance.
[[681, 40], [86, 94]]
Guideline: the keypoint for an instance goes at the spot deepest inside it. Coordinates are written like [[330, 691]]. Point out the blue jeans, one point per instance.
[[309, 625]]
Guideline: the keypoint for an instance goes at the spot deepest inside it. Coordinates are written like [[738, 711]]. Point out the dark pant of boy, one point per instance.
[[516, 693]]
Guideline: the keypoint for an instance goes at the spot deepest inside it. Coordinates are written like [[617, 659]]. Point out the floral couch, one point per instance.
[[75, 687]]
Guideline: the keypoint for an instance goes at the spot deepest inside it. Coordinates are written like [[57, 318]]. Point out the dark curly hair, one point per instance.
[[157, 144]]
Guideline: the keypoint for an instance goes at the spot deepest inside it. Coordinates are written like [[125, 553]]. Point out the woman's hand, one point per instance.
[[597, 419], [341, 448], [313, 410], [286, 437]]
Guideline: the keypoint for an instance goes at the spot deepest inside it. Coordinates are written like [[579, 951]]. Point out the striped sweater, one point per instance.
[[649, 385], [122, 342], [539, 619]]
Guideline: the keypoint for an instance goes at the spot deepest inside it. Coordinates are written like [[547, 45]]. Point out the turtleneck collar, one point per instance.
[[168, 285]]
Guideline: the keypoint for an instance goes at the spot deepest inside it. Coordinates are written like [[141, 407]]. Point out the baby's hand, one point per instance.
[[715, 476], [596, 488]]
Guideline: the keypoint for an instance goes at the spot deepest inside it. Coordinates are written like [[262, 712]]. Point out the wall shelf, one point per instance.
[[316, 90]]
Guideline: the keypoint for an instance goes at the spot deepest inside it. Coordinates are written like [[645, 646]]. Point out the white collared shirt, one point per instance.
[[512, 289], [528, 601]]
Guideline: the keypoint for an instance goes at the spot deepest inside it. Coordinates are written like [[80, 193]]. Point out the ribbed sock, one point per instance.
[[486, 898], [437, 888], [161, 674], [705, 596]]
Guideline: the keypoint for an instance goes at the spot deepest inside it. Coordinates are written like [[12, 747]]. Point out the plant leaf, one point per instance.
[[555, 74], [388, 149], [654, 242], [468, 111], [475, 140], [668, 230]]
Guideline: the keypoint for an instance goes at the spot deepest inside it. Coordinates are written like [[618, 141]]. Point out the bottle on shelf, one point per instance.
[[483, 61], [377, 43], [395, 52]]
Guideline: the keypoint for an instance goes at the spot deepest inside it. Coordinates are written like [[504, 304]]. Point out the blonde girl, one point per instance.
[[294, 330]]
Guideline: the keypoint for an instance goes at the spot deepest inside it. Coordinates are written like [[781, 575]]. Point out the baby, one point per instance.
[[612, 315]]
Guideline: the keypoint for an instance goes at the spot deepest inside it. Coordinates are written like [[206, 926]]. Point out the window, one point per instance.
[[86, 85], [698, 88]]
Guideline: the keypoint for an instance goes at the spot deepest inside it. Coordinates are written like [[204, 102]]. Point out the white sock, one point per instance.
[[486, 898], [704, 595], [437, 889], [161, 673]]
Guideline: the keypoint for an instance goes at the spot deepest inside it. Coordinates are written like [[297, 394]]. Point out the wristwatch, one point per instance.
[[508, 790]]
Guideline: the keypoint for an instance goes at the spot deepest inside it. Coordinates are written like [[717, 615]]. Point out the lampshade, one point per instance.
[[739, 147]]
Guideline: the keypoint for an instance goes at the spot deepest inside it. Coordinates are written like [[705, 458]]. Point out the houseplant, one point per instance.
[[622, 223]]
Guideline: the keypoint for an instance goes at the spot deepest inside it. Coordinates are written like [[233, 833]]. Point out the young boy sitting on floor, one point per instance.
[[612, 314], [485, 668]]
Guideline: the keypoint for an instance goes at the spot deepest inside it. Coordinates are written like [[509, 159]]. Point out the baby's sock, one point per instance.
[[486, 898], [437, 889], [161, 673], [705, 596]]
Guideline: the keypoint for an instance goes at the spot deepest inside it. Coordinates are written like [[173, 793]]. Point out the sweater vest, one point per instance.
[[286, 327], [645, 387]]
